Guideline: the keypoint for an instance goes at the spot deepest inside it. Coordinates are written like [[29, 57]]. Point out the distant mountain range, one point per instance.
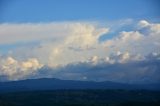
[[57, 84]]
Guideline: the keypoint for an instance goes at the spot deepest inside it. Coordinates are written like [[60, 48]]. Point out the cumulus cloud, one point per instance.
[[120, 67], [73, 50], [85, 37], [144, 70], [142, 41], [60, 42], [15, 69], [143, 23]]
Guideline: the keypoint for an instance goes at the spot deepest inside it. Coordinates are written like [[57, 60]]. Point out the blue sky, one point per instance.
[[99, 40], [69, 10]]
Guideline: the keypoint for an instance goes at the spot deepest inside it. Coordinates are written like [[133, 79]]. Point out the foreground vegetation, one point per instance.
[[81, 98]]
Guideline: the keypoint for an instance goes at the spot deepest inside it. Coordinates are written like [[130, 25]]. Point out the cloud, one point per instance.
[[144, 40], [144, 70], [14, 33], [56, 40], [85, 37], [72, 42], [76, 47], [30, 32], [143, 23], [121, 67], [73, 50], [15, 69]]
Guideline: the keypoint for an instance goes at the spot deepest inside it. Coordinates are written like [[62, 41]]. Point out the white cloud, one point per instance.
[[143, 70], [121, 67], [32, 64], [118, 58], [15, 33], [15, 69], [59, 42], [71, 43], [142, 41], [79, 45], [143, 23], [94, 59], [85, 37]]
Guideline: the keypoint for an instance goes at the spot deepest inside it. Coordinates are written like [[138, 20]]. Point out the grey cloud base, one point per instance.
[[144, 71]]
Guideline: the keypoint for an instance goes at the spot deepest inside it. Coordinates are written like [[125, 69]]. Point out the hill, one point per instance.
[[55, 84]]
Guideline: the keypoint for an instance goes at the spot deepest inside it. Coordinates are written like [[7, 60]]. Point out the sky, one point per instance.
[[61, 10], [97, 40]]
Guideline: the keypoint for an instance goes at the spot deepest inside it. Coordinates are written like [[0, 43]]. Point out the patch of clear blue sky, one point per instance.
[[33, 11], [64, 10]]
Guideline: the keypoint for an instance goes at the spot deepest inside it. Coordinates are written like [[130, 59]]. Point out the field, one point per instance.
[[81, 98]]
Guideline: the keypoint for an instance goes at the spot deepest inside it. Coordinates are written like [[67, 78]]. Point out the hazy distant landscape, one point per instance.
[[59, 84], [56, 92]]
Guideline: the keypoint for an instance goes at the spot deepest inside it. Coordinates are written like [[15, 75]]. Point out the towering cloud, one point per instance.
[[74, 50]]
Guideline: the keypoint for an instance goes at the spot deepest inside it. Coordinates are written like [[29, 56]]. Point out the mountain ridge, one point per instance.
[[57, 84]]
